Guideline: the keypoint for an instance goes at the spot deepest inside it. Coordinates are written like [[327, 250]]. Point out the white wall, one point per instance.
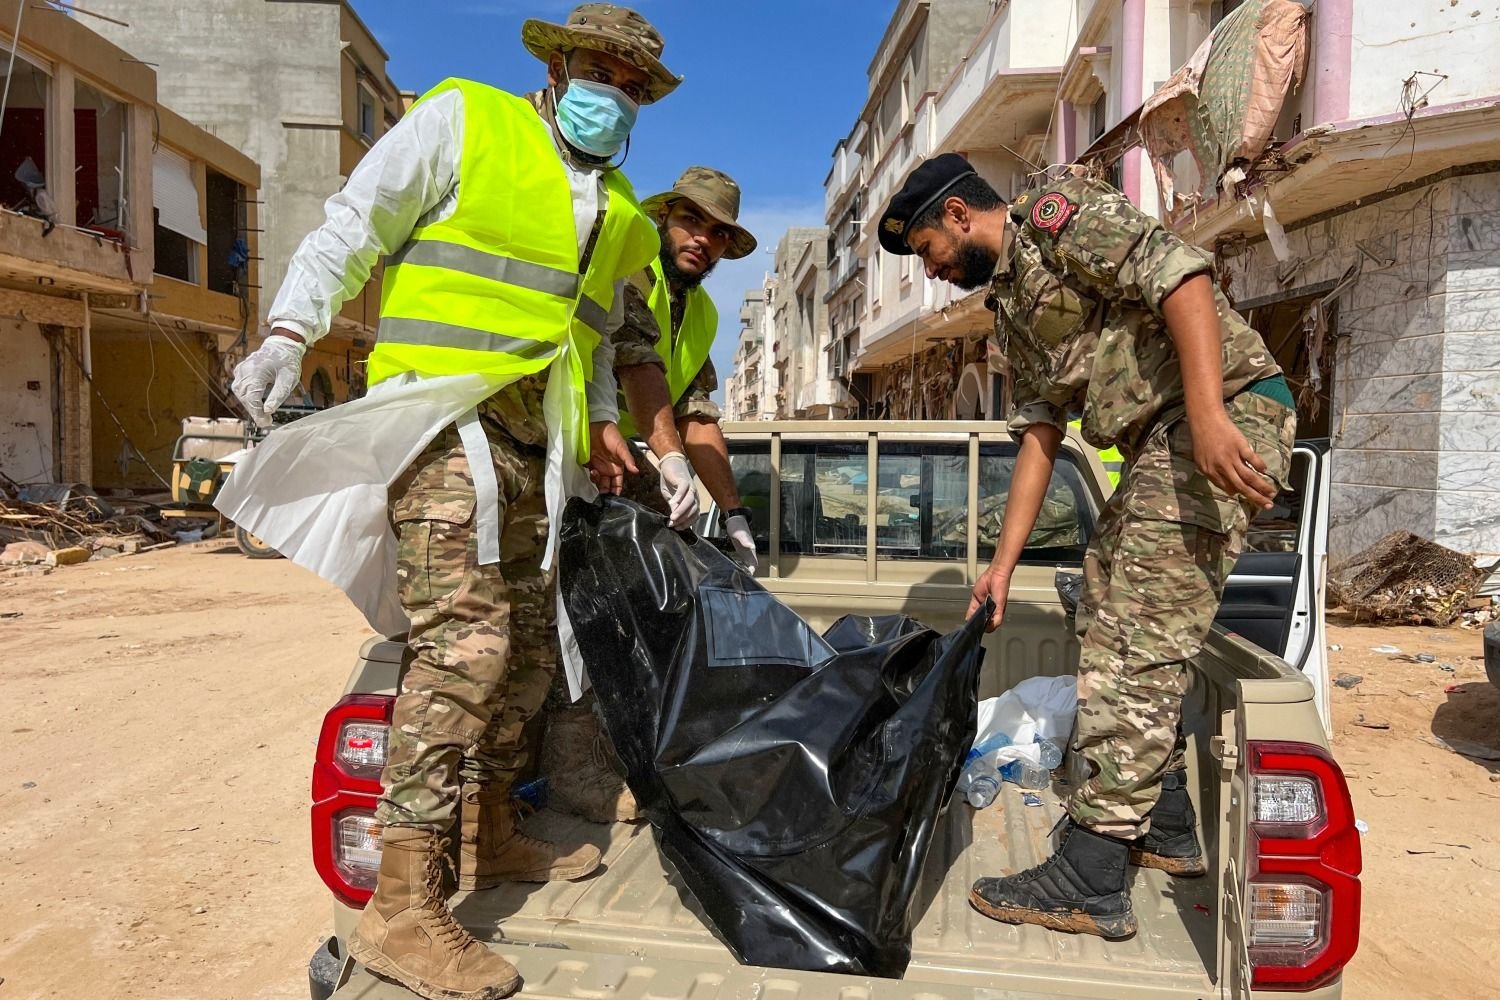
[[27, 446], [1394, 40], [1416, 396]]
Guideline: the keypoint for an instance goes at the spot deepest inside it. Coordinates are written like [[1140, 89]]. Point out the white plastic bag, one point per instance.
[[1038, 708]]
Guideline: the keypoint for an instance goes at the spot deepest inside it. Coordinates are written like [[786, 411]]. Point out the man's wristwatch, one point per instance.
[[737, 512]]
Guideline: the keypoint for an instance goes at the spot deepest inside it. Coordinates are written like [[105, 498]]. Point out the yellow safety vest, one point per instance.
[[684, 354], [495, 287], [1114, 462]]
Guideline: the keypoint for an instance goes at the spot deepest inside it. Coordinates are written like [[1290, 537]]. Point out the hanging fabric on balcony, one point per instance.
[[1222, 107]]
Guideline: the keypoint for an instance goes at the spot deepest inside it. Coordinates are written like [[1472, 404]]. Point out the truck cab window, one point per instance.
[[824, 499], [1066, 520]]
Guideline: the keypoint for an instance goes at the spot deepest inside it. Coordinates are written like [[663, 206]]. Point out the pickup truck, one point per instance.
[[886, 517]]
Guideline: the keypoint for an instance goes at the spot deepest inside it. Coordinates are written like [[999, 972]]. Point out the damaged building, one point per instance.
[[151, 191], [1338, 160], [127, 264]]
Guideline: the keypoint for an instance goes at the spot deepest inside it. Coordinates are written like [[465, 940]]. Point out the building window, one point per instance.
[[1220, 9], [102, 161], [23, 154], [178, 218], [1098, 118], [176, 255], [228, 252], [366, 114]]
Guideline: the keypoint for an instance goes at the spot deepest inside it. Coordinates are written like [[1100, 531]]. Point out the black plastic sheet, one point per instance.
[[794, 780]]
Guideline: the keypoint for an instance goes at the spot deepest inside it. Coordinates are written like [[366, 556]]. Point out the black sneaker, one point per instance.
[[1081, 888], [1172, 845]]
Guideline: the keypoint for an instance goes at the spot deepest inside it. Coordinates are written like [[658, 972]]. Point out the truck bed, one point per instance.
[[635, 933]]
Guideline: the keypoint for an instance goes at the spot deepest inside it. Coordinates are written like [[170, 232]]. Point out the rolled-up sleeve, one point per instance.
[[697, 399], [638, 336], [1159, 265]]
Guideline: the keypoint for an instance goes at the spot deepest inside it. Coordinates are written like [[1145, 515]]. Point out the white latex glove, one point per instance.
[[677, 489], [265, 379], [738, 530]]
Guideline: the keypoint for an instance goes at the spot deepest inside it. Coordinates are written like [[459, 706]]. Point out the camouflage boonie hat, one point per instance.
[[607, 28], [716, 193]]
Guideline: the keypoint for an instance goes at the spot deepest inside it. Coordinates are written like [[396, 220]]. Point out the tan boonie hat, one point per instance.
[[718, 195], [607, 28]]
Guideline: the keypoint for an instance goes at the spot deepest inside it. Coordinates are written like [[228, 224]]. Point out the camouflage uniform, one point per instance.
[[1078, 300], [484, 637], [635, 344], [480, 679]]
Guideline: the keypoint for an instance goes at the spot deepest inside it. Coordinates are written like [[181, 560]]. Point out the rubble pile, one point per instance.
[[63, 526], [1405, 578]]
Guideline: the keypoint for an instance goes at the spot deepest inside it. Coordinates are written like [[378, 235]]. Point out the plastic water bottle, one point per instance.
[[1026, 774], [983, 791], [979, 781], [1052, 754]]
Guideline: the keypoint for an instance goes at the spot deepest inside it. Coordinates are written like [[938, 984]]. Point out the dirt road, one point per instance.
[[161, 714], [160, 717]]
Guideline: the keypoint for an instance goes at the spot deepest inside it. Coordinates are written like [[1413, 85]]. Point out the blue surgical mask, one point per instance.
[[595, 117]]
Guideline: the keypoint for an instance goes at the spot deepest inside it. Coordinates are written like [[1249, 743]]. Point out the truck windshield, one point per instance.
[[920, 497]]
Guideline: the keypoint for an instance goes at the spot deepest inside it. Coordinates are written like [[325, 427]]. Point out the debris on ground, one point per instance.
[[1347, 681], [1480, 613], [1386, 648], [52, 524], [1406, 578], [1425, 658], [1364, 724]]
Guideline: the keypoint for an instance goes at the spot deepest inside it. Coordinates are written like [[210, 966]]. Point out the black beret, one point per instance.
[[930, 181]]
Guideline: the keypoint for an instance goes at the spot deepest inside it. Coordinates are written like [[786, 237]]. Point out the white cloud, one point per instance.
[[768, 221]]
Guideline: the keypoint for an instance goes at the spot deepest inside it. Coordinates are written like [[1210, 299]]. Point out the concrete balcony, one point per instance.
[[1002, 97], [69, 258]]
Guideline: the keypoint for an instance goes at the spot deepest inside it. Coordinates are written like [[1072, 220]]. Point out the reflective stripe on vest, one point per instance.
[[495, 288], [687, 352]]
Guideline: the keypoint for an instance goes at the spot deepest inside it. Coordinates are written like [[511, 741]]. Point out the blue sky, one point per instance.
[[771, 86]]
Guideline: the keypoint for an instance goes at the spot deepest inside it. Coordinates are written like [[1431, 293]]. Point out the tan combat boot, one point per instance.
[[492, 849], [582, 779], [408, 934]]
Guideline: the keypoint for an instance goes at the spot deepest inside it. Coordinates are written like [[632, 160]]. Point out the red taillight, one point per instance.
[[1303, 897], [345, 789]]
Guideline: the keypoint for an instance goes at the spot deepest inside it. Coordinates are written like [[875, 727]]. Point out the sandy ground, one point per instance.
[[160, 716]]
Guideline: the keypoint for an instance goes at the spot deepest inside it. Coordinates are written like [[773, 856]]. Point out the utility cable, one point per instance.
[[110, 410], [201, 373], [10, 70]]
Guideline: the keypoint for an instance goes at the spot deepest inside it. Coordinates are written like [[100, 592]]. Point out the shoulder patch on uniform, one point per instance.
[[1052, 211]]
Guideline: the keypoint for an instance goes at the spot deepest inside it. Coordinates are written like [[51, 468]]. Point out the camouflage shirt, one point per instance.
[[635, 344], [1078, 297]]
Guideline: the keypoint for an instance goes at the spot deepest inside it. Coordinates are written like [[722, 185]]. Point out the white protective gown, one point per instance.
[[318, 490]]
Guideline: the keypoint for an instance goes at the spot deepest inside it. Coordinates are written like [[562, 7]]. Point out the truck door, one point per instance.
[[1275, 596]]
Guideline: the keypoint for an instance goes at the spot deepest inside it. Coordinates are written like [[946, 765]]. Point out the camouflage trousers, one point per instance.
[[483, 637], [1153, 578]]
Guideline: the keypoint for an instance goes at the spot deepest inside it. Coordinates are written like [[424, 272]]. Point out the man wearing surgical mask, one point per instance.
[[433, 501]]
